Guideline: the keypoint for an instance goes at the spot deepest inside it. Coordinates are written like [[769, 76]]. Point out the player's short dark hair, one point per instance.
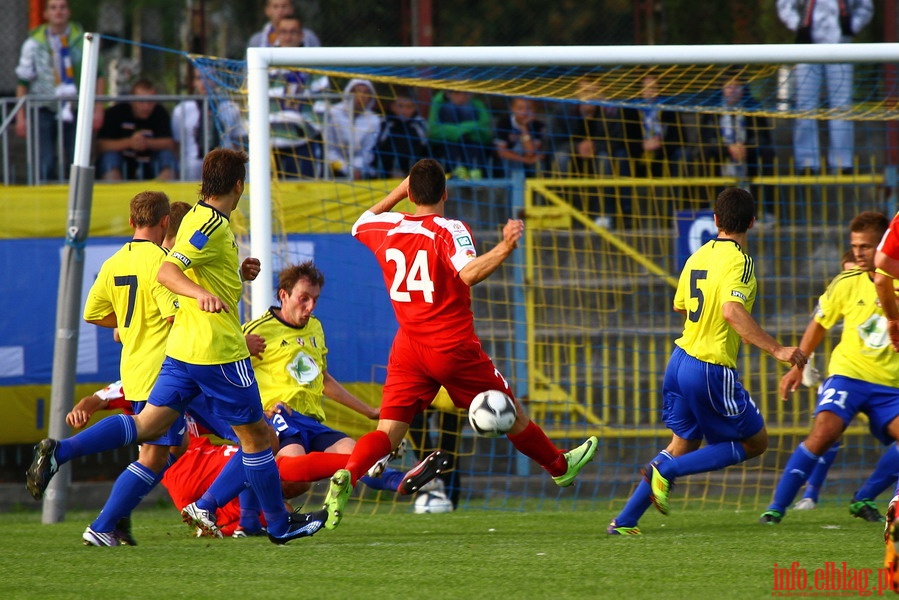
[[427, 182], [289, 276], [735, 209], [179, 209], [148, 208], [870, 220], [222, 169]]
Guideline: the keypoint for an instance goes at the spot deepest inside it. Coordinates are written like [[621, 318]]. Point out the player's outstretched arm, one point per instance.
[[484, 265], [81, 413], [886, 293], [339, 394], [174, 279], [397, 195], [812, 337], [743, 323]]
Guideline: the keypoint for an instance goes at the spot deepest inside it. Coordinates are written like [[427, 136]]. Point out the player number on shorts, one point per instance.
[[417, 278], [831, 395], [695, 277], [131, 282]]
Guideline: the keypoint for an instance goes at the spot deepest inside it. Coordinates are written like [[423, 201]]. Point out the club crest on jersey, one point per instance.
[[198, 240], [470, 253], [300, 341]]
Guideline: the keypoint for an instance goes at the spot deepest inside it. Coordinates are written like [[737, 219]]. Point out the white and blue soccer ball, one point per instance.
[[432, 502], [492, 413]]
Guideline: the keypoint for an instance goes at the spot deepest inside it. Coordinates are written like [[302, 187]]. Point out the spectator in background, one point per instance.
[[738, 145], [403, 139], [600, 140], [352, 132], [824, 22], [136, 141], [196, 128], [49, 65], [275, 10], [460, 133], [662, 135], [521, 140], [295, 127]]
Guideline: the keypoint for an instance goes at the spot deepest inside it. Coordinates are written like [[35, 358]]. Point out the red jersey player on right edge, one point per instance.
[[429, 264]]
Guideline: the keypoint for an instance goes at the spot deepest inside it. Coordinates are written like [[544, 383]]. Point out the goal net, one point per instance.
[[613, 156]]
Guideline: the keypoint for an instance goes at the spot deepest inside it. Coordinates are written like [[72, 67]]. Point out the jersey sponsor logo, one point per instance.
[[738, 294], [198, 240], [180, 257], [463, 241], [303, 368]]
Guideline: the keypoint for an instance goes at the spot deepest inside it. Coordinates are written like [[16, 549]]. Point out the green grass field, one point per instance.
[[467, 554]]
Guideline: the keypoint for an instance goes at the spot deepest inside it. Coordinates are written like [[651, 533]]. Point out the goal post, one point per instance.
[[260, 60]]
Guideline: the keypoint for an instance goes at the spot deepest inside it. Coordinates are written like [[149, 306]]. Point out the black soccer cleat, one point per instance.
[[42, 469], [300, 525]]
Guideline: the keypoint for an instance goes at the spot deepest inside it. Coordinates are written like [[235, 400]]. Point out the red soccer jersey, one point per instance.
[[421, 257], [192, 474], [889, 245]]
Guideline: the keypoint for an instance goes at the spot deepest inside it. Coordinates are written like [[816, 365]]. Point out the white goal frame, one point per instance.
[[260, 60]]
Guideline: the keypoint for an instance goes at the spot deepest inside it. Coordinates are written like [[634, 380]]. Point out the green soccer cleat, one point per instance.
[[576, 460], [659, 487], [614, 529], [338, 494], [866, 510], [771, 517]]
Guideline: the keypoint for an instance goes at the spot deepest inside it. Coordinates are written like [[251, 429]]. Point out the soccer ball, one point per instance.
[[432, 502], [492, 413]]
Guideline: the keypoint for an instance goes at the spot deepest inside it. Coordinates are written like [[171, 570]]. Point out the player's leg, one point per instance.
[[625, 523], [235, 398], [131, 486], [725, 414], [881, 478], [816, 479], [826, 430], [526, 436]]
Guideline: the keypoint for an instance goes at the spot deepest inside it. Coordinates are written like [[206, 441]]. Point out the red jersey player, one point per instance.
[[429, 263]]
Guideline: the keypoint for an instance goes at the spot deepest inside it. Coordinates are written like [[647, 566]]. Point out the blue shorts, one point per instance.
[[230, 388], [172, 437], [297, 428], [846, 397], [200, 409], [703, 400]]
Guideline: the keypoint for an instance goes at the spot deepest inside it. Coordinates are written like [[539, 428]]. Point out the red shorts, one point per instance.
[[415, 372]]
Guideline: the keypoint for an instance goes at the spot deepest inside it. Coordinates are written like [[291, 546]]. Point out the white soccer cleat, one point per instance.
[[378, 468], [804, 504]]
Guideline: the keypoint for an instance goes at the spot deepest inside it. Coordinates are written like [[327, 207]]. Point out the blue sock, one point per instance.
[[883, 476], [262, 473], [639, 501], [249, 510], [230, 482], [797, 471], [389, 480], [129, 489], [707, 458], [109, 433], [819, 473]]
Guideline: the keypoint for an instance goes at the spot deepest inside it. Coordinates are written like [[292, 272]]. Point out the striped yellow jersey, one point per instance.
[[292, 368], [718, 272], [864, 351], [206, 250], [126, 285]]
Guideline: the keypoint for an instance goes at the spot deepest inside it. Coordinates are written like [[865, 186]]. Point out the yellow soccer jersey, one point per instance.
[[864, 351], [293, 365], [206, 251], [126, 286], [718, 272]]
